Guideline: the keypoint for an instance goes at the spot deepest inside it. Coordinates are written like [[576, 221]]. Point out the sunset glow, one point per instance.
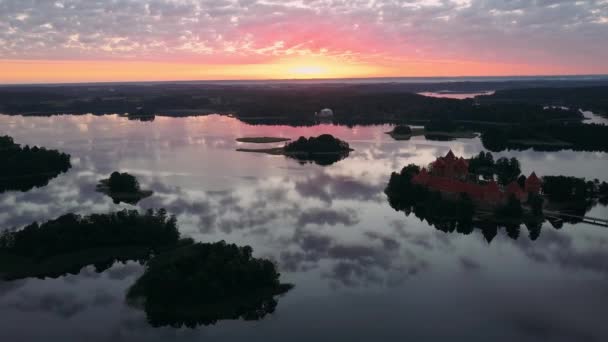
[[76, 40]]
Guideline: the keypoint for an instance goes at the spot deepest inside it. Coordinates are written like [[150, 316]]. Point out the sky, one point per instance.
[[147, 40]]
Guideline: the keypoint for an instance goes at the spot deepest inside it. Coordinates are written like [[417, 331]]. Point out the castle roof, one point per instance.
[[533, 177]]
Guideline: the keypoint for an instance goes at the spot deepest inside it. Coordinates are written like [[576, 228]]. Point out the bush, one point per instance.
[[206, 282], [123, 182], [402, 130], [324, 143]]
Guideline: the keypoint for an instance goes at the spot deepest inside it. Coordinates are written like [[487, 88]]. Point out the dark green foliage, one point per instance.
[[562, 188], [446, 215], [23, 168], [324, 143], [587, 98], [402, 130], [535, 202], [507, 170], [482, 164], [603, 193], [441, 125], [72, 233], [548, 136], [203, 283], [512, 209], [495, 139], [123, 182], [322, 150], [521, 181]]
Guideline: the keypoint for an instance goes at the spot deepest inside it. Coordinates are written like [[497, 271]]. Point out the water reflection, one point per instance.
[[329, 228]]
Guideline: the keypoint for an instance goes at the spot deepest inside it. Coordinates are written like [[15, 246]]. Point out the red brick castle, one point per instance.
[[450, 176]]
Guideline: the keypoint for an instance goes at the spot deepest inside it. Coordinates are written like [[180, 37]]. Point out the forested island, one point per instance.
[[202, 283], [456, 194], [445, 130], [184, 283], [70, 242], [322, 150], [25, 168], [123, 187]]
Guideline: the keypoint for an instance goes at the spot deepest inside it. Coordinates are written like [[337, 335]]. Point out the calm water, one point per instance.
[[363, 272]]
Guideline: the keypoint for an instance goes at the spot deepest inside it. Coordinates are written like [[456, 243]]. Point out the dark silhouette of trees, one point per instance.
[[24, 168], [324, 143], [70, 242], [536, 203], [563, 188], [203, 283], [402, 130], [482, 164], [446, 215], [123, 187], [512, 209], [507, 170], [547, 136], [322, 150], [123, 182]]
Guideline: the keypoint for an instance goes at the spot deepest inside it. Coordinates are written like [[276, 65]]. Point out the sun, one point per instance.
[[308, 71]]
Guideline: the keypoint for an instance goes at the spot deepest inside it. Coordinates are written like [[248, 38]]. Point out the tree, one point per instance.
[[507, 170], [402, 130], [123, 182], [522, 181]]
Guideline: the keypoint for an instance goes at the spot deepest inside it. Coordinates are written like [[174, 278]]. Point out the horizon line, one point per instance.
[[300, 80]]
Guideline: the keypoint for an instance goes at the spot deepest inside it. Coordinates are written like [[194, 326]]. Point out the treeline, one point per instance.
[[352, 104], [506, 170], [73, 233], [547, 137], [24, 168], [587, 98]]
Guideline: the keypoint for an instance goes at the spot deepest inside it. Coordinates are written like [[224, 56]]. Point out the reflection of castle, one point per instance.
[[450, 176]]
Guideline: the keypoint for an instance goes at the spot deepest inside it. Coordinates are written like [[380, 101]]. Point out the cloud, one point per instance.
[[255, 31], [321, 216], [379, 260]]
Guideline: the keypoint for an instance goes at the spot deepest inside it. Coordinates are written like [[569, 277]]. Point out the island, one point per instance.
[[123, 187], [457, 194], [66, 244], [322, 150], [203, 283], [432, 131], [184, 284], [25, 168]]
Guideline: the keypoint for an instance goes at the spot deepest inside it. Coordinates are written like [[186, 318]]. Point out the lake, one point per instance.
[[362, 271]]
